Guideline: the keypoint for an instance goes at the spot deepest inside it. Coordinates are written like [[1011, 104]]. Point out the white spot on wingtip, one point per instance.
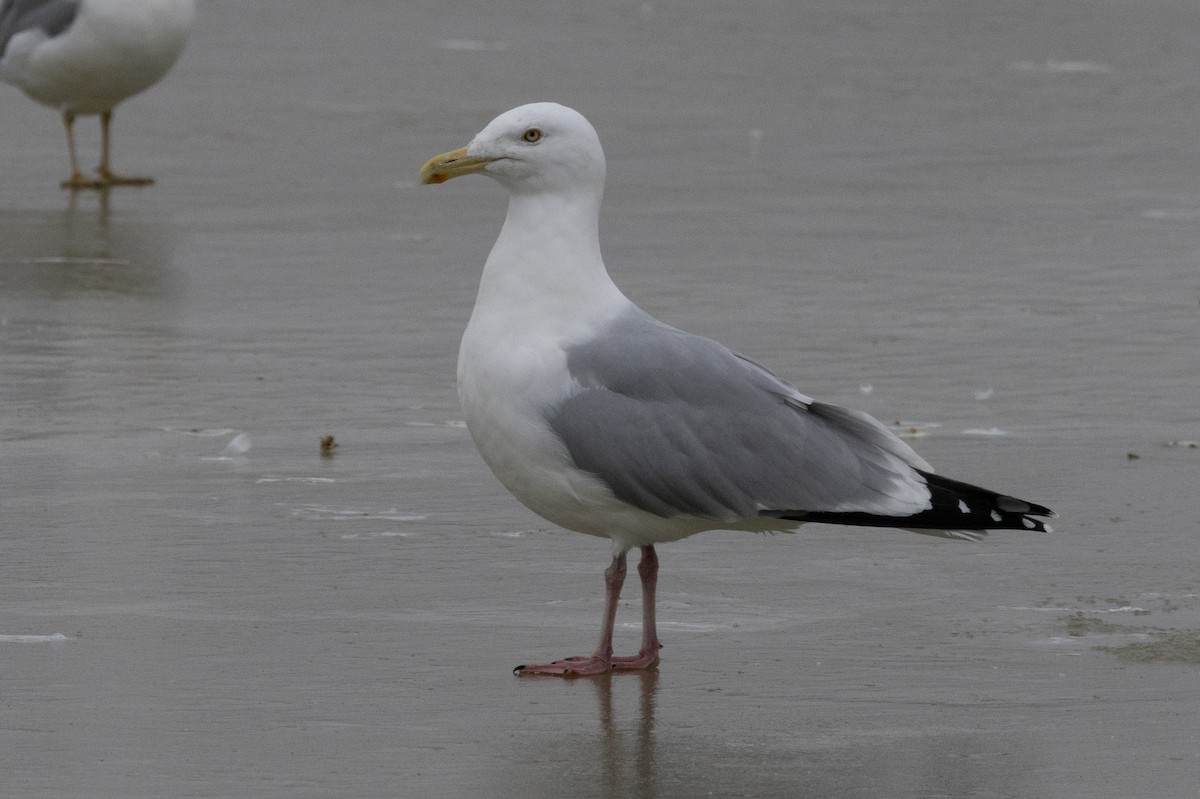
[[1029, 523], [962, 506], [996, 516]]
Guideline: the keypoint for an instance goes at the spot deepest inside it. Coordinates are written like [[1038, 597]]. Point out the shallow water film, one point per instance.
[[247, 547]]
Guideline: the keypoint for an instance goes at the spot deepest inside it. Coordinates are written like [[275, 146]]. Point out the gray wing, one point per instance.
[[674, 423], [52, 17]]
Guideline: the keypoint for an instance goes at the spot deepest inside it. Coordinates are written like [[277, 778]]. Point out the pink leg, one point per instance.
[[602, 660], [647, 657]]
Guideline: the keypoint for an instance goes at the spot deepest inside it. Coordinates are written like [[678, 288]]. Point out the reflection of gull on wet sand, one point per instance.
[[84, 57], [606, 421]]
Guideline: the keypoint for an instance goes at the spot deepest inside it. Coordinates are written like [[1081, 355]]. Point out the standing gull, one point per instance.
[[84, 57], [604, 420]]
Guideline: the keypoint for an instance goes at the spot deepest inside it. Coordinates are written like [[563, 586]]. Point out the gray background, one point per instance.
[[959, 216]]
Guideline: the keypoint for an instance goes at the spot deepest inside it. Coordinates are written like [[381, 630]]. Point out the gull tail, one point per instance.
[[959, 510]]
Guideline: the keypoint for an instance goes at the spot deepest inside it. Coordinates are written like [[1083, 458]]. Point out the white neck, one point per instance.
[[546, 262]]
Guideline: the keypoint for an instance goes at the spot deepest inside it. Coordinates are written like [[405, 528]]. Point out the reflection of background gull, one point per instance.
[[86, 253], [84, 57], [89, 314]]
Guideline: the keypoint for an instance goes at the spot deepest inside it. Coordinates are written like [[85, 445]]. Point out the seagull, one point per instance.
[[83, 57], [606, 421]]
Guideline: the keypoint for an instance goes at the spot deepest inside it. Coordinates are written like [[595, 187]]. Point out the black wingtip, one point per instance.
[[1014, 505], [957, 510]]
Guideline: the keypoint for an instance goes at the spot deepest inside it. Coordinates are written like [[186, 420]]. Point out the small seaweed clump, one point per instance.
[[1169, 646]]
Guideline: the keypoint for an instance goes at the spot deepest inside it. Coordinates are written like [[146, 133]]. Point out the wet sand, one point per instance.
[[978, 223]]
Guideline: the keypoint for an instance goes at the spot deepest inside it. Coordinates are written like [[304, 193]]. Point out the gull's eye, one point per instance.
[[533, 135]]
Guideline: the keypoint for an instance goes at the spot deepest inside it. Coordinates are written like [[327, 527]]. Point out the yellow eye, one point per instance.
[[533, 135]]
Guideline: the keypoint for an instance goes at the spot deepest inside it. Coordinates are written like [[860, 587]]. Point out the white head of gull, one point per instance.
[[83, 57], [605, 421]]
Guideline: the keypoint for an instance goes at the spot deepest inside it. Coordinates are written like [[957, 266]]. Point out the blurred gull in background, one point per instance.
[[83, 57]]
